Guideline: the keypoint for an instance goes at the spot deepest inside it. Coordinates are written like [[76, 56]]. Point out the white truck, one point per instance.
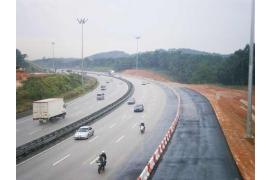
[[48, 109]]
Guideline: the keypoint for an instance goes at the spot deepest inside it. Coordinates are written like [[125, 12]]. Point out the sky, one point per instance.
[[220, 26]]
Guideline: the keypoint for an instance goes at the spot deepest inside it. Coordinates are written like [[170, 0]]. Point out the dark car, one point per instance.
[[139, 108]]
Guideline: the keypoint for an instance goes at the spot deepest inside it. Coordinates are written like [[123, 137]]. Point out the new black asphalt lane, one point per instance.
[[198, 149]]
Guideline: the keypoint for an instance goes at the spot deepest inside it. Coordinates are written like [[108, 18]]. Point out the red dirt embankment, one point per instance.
[[21, 76], [230, 108]]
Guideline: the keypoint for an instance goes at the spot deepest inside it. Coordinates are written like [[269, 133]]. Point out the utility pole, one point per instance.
[[54, 70], [250, 74], [82, 21], [137, 38]]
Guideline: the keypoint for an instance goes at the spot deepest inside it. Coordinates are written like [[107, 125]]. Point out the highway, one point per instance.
[[27, 129], [117, 133], [198, 149]]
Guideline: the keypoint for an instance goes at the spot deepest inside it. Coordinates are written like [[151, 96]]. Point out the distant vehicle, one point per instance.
[[102, 87], [48, 109], [111, 73], [107, 82], [84, 132], [100, 96], [144, 83], [131, 101], [139, 108]]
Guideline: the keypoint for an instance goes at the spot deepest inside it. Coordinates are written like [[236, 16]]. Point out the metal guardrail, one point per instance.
[[46, 140]]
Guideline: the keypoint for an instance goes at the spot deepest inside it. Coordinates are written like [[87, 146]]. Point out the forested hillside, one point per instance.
[[184, 65], [188, 68]]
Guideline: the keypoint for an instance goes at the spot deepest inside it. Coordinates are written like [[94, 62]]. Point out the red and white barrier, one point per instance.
[[145, 174]]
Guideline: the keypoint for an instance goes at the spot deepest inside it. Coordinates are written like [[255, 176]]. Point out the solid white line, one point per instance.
[[92, 162], [112, 125], [119, 139], [22, 121], [91, 140], [39, 154], [33, 132], [57, 162]]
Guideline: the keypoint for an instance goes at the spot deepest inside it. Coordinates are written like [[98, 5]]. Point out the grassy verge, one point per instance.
[[56, 85]]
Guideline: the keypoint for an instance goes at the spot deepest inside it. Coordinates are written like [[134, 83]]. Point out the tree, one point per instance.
[[20, 59]]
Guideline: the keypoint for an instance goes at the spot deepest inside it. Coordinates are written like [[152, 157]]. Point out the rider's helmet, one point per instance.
[[103, 152]]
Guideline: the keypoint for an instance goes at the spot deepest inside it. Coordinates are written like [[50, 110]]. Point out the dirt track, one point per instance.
[[230, 108]]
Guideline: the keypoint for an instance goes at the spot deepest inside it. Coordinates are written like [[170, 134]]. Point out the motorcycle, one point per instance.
[[142, 129], [101, 166]]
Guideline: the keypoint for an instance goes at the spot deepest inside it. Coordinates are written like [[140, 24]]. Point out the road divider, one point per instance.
[[160, 150], [27, 150]]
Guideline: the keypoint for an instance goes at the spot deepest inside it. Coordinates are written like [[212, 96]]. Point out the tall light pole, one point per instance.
[[82, 21], [53, 43], [250, 73], [137, 38]]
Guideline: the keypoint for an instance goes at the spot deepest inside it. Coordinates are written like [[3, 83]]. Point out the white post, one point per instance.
[[250, 74]]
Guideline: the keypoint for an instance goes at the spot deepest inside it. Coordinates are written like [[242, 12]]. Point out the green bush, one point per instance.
[[56, 85]]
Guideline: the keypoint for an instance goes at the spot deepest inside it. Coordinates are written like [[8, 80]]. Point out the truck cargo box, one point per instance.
[[46, 109]]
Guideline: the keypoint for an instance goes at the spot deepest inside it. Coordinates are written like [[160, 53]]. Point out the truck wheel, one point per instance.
[[42, 121]]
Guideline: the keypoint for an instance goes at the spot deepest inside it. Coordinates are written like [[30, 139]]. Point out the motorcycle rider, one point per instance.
[[142, 126], [104, 157]]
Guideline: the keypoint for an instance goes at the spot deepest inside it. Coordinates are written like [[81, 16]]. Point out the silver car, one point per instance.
[[131, 101], [84, 132]]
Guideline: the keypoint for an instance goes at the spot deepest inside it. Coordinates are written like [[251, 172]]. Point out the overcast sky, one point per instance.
[[220, 26]]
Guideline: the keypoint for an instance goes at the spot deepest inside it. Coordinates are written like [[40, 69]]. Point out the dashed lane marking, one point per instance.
[[60, 160]]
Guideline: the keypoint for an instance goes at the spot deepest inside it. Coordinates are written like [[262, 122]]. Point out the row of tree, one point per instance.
[[188, 68], [185, 67]]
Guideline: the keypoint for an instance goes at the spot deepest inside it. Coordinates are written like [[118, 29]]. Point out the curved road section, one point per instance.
[[117, 133], [198, 149], [28, 130]]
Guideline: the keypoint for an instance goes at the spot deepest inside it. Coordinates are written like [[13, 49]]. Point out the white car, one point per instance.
[[84, 132], [131, 101]]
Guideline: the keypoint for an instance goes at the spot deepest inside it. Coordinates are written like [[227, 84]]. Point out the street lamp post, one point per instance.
[[53, 43], [250, 74], [82, 21], [137, 38]]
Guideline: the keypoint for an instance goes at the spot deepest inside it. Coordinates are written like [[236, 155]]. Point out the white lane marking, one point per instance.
[[91, 140], [33, 132], [92, 162], [22, 121], [119, 139], [39, 154], [112, 125], [57, 162], [134, 125]]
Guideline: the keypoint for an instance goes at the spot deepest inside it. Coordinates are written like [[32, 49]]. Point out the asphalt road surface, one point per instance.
[[27, 129], [117, 133], [198, 149]]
